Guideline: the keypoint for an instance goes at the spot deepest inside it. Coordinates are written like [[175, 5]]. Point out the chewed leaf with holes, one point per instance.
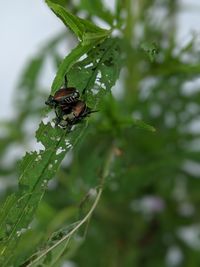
[[96, 78], [98, 71], [97, 74], [37, 168]]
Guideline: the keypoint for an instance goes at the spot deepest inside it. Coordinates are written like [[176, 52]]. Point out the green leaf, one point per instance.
[[107, 51], [104, 62], [151, 49], [77, 25], [51, 252], [67, 63], [96, 7], [37, 168], [92, 37], [57, 244], [143, 125]]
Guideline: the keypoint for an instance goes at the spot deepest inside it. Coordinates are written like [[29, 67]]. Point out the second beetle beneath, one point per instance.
[[69, 109]]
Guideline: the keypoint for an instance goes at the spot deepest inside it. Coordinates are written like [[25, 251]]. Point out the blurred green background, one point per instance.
[[148, 215]]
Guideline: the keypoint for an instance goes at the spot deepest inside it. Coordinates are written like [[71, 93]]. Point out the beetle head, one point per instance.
[[51, 102]]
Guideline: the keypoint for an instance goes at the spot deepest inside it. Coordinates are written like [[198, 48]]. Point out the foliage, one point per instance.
[[121, 188]]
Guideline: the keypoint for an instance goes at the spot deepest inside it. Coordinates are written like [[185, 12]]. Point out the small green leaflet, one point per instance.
[[84, 29], [151, 49], [96, 8]]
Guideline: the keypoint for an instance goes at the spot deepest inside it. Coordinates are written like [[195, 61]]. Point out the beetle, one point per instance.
[[68, 107], [74, 114], [65, 95]]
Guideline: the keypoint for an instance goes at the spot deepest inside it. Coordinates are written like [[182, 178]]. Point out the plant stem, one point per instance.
[[105, 173]]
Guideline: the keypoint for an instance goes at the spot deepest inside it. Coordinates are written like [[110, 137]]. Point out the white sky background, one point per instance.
[[24, 26], [27, 24]]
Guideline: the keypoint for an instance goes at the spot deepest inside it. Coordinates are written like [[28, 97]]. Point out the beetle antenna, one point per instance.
[[66, 81], [93, 111]]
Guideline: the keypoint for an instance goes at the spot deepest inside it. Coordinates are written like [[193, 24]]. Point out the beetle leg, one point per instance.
[[57, 121], [57, 115]]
